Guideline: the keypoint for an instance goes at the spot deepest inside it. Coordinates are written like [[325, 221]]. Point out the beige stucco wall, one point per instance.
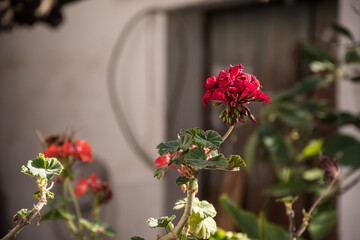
[[53, 79]]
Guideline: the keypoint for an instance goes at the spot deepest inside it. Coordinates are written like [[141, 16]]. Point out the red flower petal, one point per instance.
[[82, 187], [218, 94], [83, 151], [210, 83], [52, 151], [67, 149], [207, 97]]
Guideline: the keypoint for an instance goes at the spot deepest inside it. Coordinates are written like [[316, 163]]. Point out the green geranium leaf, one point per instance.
[[168, 147], [136, 238], [203, 208], [234, 162], [202, 228], [162, 222], [180, 204], [192, 131], [182, 180], [160, 171], [98, 227], [208, 139], [185, 141], [197, 158], [43, 168]]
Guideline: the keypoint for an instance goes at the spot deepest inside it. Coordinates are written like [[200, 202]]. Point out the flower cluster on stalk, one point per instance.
[[79, 149], [99, 189], [234, 88]]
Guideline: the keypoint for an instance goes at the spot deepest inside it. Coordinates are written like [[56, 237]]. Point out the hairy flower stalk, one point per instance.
[[175, 234], [36, 210]]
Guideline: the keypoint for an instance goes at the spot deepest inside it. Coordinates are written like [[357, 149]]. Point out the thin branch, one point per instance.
[[175, 234], [27, 220]]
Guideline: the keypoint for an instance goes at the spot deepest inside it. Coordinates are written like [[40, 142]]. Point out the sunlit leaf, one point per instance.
[[43, 168], [202, 228], [162, 222]]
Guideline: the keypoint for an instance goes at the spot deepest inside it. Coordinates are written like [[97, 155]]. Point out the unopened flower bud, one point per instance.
[[183, 188]]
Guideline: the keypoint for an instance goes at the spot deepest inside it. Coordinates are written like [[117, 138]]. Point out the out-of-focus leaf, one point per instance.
[[249, 223], [352, 54], [251, 147], [294, 116], [311, 150], [222, 235], [313, 174], [98, 227], [136, 238], [351, 156], [305, 86], [280, 150], [315, 52], [322, 66], [336, 143], [343, 31], [288, 188], [322, 221]]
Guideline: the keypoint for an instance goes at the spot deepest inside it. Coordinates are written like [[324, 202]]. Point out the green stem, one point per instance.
[[175, 234], [306, 217], [227, 133], [76, 204]]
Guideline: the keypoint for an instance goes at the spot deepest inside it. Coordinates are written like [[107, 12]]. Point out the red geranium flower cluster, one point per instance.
[[80, 150], [234, 88], [101, 189]]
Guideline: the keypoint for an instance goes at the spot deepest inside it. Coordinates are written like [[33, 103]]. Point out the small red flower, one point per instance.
[[82, 187], [67, 149], [94, 183], [52, 151], [163, 160], [83, 151]]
